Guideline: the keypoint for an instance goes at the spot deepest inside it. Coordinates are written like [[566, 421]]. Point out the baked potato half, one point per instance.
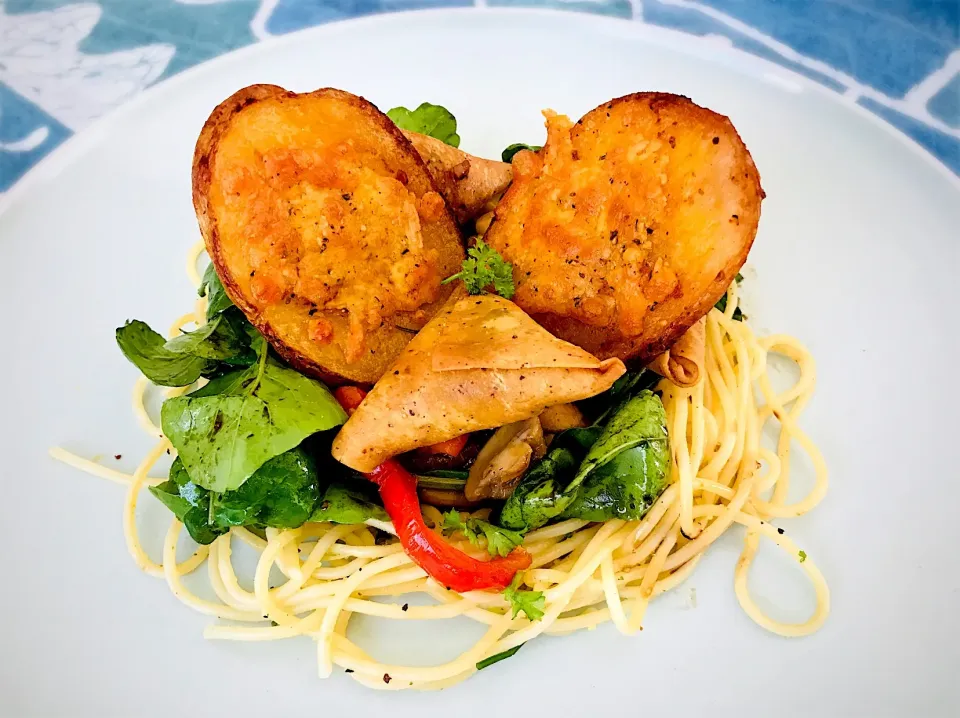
[[630, 224], [324, 225]]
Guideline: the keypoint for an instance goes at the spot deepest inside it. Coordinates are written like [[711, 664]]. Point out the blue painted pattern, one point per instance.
[[65, 62]]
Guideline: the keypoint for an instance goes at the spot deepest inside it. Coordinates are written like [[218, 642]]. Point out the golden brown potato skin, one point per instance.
[[628, 226], [324, 226]]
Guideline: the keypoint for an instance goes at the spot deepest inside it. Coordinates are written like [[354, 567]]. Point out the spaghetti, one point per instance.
[[589, 573]]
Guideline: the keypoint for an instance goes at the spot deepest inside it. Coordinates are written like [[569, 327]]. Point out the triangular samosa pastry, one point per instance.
[[480, 363]]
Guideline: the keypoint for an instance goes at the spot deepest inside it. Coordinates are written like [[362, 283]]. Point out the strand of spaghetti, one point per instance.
[[287, 560], [139, 480], [817, 492], [180, 322], [545, 554], [650, 521], [239, 597], [92, 467], [193, 256], [249, 538], [715, 529], [173, 575], [612, 593], [656, 537], [650, 578], [330, 616], [140, 389], [757, 526], [681, 459]]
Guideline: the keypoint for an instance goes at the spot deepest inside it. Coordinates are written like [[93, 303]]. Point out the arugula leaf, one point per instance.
[[147, 350], [500, 541], [482, 267], [281, 494], [433, 120], [349, 504], [532, 603], [623, 469], [260, 413], [212, 288], [194, 515], [496, 658], [218, 339], [511, 150]]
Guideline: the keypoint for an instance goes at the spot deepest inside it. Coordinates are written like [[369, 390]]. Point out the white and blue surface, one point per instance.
[[65, 63]]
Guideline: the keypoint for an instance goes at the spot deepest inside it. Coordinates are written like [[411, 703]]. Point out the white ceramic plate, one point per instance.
[[857, 255]]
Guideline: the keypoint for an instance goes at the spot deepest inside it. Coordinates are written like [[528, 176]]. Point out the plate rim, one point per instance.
[[700, 46]]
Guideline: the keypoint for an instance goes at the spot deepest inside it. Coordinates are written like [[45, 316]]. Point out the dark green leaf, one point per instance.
[[599, 407], [189, 503], [538, 497], [281, 494], [622, 470], [625, 471], [258, 413], [147, 350], [427, 119], [511, 150], [487, 662], [217, 340], [349, 504], [212, 288]]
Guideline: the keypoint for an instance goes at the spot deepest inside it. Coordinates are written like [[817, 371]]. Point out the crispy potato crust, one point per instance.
[[628, 226], [324, 225]]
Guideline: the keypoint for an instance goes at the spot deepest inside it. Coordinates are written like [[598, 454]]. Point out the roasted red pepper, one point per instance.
[[446, 564]]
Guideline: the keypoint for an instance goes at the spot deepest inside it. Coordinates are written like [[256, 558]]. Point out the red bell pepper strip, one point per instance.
[[448, 565]]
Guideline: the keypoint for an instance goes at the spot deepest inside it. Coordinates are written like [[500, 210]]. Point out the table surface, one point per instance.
[[63, 64]]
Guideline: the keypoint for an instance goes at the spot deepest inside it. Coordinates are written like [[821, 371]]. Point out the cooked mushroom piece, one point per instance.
[[503, 460], [558, 418]]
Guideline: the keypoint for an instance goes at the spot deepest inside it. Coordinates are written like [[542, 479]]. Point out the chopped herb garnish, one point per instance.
[[500, 541], [531, 603], [487, 662], [484, 267]]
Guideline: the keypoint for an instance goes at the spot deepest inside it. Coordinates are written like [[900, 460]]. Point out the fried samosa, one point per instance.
[[468, 183], [480, 363]]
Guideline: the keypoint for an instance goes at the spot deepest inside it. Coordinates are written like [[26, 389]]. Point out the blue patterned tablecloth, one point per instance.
[[63, 63]]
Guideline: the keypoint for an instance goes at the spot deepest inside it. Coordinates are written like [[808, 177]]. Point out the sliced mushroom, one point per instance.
[[503, 460], [561, 417]]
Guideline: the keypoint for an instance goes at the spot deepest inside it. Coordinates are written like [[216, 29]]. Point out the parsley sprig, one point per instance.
[[532, 603], [484, 267], [500, 542]]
